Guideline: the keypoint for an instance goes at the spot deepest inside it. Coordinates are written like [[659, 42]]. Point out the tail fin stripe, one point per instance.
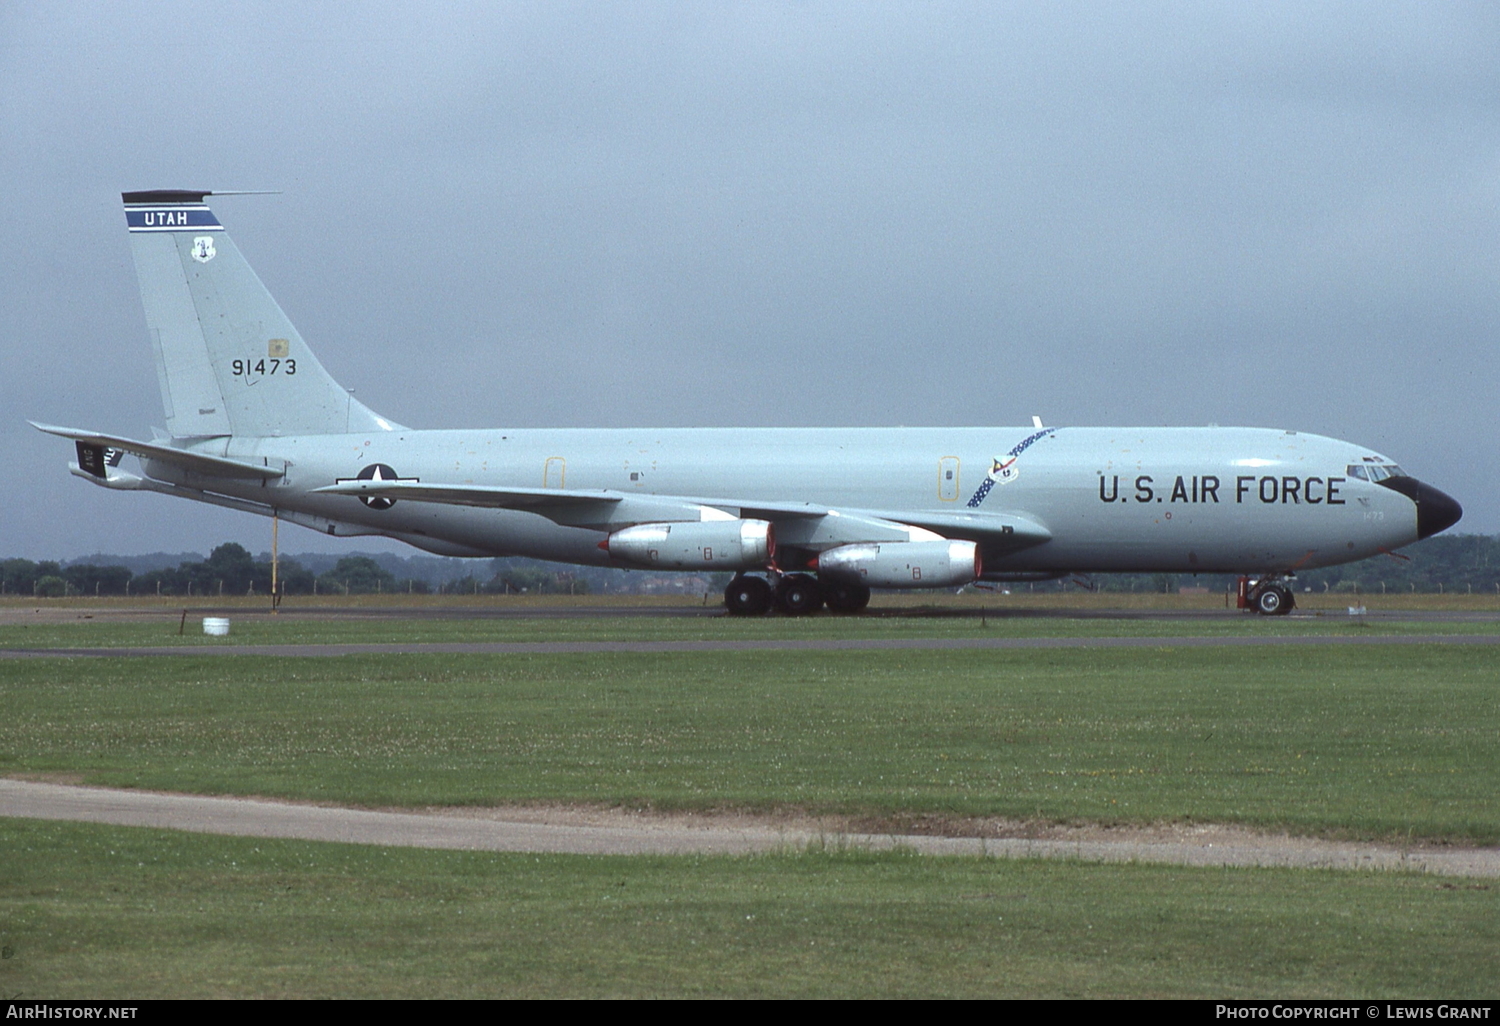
[[172, 219]]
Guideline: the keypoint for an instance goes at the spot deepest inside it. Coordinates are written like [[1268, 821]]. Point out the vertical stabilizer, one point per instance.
[[228, 360]]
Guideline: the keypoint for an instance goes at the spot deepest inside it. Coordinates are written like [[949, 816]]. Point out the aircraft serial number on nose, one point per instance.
[[270, 365], [1247, 488]]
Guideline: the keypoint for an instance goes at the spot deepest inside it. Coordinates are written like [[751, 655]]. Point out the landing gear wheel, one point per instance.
[[1272, 600], [845, 598], [799, 594], [747, 596]]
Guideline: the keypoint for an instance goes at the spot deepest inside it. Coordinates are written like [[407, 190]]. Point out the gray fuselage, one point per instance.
[[1240, 500]]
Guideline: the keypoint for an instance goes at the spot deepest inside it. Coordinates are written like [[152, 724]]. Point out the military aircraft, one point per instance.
[[805, 517]]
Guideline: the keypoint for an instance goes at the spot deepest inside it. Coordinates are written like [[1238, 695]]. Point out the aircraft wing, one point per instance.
[[92, 455], [600, 509], [1012, 529], [818, 526], [798, 523], [761, 510], [543, 500], [537, 500]]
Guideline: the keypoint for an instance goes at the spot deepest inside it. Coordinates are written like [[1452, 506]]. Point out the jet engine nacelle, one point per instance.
[[700, 545], [923, 564]]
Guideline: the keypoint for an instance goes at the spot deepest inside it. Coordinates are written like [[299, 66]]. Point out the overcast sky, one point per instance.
[[721, 214]]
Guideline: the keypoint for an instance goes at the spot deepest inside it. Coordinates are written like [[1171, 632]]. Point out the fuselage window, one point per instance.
[[1356, 471]]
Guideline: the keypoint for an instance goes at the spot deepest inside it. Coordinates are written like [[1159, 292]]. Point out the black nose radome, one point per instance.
[[1436, 511]]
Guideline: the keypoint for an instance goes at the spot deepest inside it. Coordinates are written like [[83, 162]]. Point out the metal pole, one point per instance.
[[275, 560]]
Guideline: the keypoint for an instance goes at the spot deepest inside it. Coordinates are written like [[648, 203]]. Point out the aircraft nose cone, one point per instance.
[[1436, 511]]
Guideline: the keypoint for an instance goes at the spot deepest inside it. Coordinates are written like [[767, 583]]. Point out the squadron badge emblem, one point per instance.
[[1004, 469]]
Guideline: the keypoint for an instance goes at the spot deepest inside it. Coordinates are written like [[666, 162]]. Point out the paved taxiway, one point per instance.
[[501, 609], [727, 645]]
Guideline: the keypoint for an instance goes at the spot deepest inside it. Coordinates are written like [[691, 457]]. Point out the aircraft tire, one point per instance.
[[799, 594], [747, 596], [845, 598], [1273, 600]]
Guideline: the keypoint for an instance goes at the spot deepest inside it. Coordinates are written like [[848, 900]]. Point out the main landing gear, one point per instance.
[[793, 594], [845, 598], [799, 594], [1268, 597], [747, 596]]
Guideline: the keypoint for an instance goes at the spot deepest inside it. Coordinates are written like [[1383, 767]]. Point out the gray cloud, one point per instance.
[[530, 215]]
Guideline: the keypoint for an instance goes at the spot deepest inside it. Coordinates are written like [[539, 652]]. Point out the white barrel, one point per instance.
[[218, 626]]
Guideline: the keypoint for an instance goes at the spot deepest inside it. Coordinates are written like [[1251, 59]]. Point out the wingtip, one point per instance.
[[54, 429]]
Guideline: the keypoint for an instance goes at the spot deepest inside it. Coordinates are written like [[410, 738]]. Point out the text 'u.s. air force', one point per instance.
[[1204, 488]]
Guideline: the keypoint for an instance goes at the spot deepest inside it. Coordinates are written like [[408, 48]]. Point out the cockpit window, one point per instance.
[[1373, 471]]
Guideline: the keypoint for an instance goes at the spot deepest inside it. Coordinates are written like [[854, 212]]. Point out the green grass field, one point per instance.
[[1373, 742], [157, 628], [1384, 742], [92, 911]]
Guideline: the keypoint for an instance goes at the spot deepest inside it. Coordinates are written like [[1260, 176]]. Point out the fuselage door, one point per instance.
[[948, 479], [555, 473]]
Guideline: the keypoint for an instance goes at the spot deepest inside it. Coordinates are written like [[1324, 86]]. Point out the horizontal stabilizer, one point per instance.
[[93, 453]]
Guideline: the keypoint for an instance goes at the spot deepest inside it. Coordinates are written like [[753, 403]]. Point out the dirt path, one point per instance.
[[621, 832]]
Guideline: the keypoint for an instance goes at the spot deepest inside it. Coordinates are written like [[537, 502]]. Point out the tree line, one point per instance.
[[1447, 563], [231, 570]]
